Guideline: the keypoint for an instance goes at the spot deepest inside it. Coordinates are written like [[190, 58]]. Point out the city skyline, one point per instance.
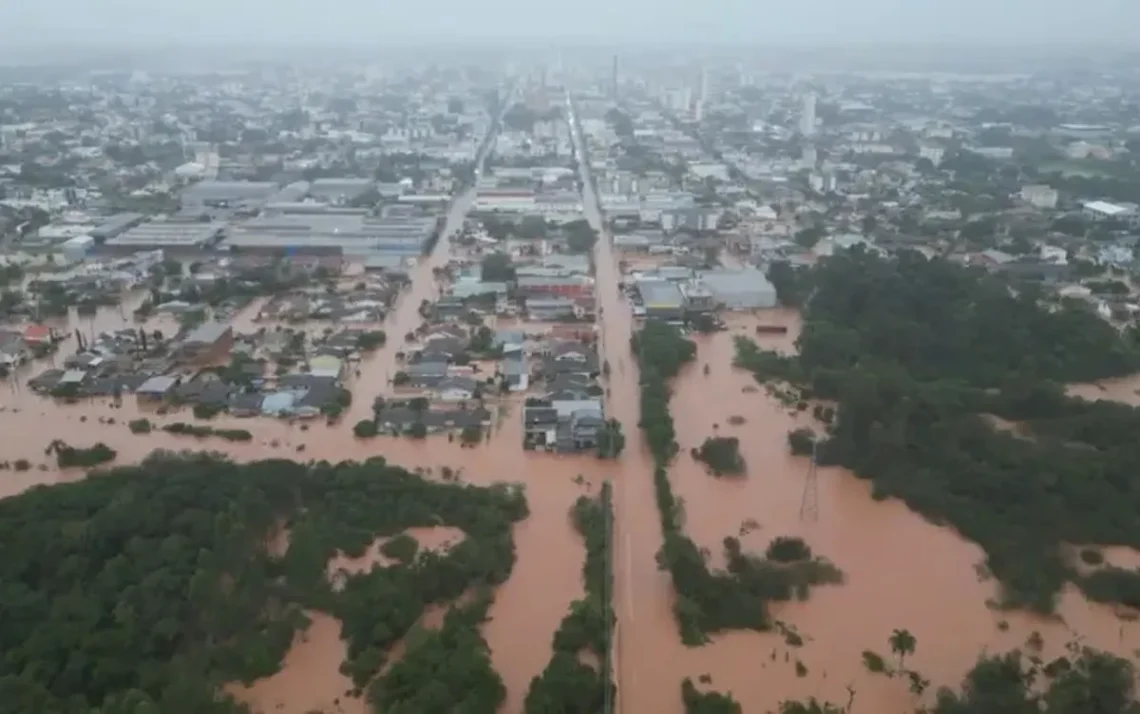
[[355, 22]]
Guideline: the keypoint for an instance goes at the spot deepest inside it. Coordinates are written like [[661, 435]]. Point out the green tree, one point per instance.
[[902, 643]]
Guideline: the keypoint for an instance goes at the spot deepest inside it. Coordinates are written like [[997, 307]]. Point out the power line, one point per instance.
[[809, 500]]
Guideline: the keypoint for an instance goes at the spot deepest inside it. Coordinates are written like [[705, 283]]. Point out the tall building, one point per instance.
[[807, 117], [702, 94], [614, 80]]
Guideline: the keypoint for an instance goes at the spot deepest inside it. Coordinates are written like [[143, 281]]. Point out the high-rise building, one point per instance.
[[807, 117], [614, 80], [702, 94]]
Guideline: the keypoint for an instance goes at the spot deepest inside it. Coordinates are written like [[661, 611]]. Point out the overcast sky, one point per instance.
[[271, 22]]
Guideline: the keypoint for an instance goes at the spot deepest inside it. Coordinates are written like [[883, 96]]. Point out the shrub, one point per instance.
[[365, 429], [401, 547], [788, 549], [722, 455], [140, 426], [801, 441]]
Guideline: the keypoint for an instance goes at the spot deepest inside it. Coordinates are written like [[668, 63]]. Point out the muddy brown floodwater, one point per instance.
[[527, 608], [901, 571]]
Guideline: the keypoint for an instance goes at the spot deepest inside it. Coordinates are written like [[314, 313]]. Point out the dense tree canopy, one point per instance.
[[148, 587], [917, 353]]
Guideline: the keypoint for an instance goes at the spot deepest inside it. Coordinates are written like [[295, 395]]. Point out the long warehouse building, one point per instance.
[[352, 235]]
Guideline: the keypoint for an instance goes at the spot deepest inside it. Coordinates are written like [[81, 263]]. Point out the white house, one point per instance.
[[1040, 196], [1103, 211]]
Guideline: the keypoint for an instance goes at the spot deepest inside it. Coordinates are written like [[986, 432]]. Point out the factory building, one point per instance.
[[747, 289], [350, 234], [227, 194], [170, 236]]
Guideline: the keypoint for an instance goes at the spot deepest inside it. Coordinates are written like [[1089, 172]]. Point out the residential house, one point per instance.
[[425, 375], [444, 349], [552, 368], [511, 342], [515, 373], [158, 388], [580, 431], [550, 309], [456, 389], [569, 286], [540, 424], [326, 366], [571, 350], [209, 342], [13, 349]]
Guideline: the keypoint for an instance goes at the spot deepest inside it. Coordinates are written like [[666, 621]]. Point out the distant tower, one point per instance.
[[702, 93], [807, 118], [614, 80], [809, 500]]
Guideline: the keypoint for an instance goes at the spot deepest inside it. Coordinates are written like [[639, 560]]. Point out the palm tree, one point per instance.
[[902, 643]]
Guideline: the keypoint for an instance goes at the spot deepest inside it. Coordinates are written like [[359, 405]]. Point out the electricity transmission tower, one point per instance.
[[809, 501]]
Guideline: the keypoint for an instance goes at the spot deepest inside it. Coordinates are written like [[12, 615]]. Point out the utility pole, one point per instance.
[[809, 501]]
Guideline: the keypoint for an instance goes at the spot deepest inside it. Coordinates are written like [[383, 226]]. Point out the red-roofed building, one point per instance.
[[37, 334]]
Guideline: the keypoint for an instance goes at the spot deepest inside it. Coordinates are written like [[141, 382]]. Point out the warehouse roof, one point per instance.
[[171, 234], [729, 281], [660, 294], [229, 190]]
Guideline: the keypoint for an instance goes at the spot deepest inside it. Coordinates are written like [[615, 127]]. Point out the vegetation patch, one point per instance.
[[914, 352], [698, 702], [173, 591], [707, 601], [567, 684], [68, 456], [722, 455], [202, 432]]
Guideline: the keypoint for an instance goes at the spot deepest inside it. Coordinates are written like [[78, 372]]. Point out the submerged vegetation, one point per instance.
[[68, 456], [698, 702], [722, 455], [916, 353], [149, 587], [707, 601], [202, 432], [567, 685]]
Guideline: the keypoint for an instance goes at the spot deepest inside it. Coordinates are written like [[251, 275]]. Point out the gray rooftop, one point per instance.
[[172, 234], [228, 191], [660, 294], [728, 281], [207, 333]]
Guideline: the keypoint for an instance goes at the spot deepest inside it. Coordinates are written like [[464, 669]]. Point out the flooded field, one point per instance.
[[901, 571]]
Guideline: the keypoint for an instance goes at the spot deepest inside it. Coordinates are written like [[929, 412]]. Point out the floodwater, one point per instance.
[[439, 539], [901, 571], [528, 607]]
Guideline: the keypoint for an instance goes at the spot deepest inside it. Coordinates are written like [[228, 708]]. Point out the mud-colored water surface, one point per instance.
[[901, 571]]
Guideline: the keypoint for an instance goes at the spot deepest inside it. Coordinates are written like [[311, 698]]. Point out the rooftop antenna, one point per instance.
[[809, 501]]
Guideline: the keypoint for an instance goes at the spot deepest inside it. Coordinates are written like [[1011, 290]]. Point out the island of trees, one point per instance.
[[919, 355], [721, 454], [146, 588], [707, 601]]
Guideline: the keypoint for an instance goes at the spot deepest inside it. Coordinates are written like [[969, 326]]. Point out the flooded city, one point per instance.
[[488, 356]]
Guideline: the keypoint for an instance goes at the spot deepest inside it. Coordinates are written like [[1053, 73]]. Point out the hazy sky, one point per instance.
[[262, 22]]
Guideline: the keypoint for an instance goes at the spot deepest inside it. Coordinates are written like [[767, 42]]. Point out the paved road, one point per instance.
[[636, 531]]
